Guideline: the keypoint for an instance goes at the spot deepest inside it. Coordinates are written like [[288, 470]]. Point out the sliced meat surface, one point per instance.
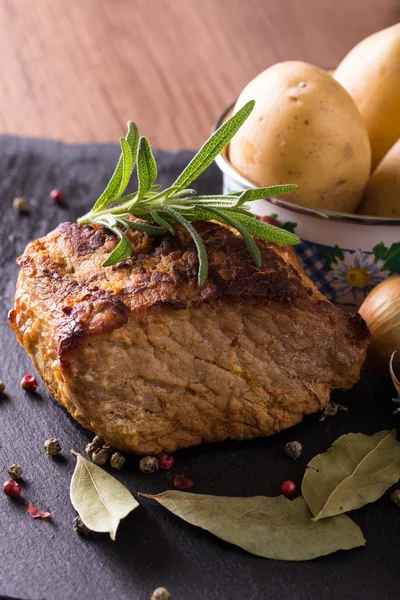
[[141, 355]]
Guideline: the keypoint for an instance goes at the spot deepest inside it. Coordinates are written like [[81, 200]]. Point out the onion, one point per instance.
[[381, 311], [396, 382]]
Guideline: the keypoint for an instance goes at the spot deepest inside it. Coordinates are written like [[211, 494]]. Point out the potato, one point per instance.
[[382, 196], [371, 75], [304, 129]]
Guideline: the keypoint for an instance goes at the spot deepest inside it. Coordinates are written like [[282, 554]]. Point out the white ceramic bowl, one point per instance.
[[345, 255]]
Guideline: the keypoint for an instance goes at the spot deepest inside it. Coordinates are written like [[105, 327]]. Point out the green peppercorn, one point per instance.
[[117, 460], [90, 448], [293, 449], [15, 471], [148, 464], [109, 448], [80, 527], [52, 447], [96, 444], [100, 457], [98, 441], [20, 204], [161, 593], [395, 497]]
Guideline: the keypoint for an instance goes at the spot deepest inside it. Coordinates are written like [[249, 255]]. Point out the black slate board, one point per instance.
[[43, 560]]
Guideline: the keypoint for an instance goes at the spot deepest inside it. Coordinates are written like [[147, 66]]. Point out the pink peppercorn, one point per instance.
[[182, 483], [288, 488], [29, 383], [165, 461], [57, 196], [12, 489]]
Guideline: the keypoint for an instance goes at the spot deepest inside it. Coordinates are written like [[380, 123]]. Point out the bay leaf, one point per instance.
[[99, 498], [275, 528], [357, 469]]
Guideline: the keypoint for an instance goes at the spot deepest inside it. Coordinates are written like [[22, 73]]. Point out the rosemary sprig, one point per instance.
[[158, 210]]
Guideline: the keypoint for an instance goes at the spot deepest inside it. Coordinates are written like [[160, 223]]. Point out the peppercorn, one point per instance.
[[29, 383], [57, 196], [15, 471], [100, 457], [293, 449], [182, 483], [80, 527], [109, 448], [288, 488], [90, 448], [117, 460], [12, 489], [98, 441], [148, 464], [2, 386], [395, 497], [165, 461], [20, 204], [52, 447], [161, 593], [96, 444]]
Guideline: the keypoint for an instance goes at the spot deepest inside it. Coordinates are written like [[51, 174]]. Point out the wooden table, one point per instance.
[[77, 70]]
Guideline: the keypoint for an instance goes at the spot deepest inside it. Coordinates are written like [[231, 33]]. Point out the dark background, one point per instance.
[[47, 560]]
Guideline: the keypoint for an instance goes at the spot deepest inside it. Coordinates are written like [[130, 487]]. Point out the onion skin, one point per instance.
[[381, 311]]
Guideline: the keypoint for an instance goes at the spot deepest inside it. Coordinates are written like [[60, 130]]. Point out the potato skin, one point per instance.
[[371, 75], [382, 196], [305, 129]]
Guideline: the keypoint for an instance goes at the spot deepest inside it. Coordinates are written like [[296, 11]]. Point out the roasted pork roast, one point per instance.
[[140, 354]]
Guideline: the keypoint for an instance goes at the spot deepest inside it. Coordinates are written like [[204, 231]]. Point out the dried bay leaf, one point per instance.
[[357, 469], [275, 528], [100, 499]]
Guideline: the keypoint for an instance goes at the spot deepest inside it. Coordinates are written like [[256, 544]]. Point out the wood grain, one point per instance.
[[77, 70]]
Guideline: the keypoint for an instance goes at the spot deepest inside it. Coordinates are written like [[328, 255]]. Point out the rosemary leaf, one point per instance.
[[157, 210], [146, 168], [121, 252], [111, 191], [147, 227], [127, 166], [162, 222], [265, 231], [264, 192], [201, 249], [250, 243], [213, 146], [132, 137]]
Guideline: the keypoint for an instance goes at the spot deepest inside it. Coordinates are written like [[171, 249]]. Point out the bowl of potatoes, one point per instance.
[[336, 134]]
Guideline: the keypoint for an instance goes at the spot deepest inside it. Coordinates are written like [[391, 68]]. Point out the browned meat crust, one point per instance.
[[133, 350]]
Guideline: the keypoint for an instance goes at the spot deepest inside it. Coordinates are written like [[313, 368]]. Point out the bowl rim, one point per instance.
[[225, 166]]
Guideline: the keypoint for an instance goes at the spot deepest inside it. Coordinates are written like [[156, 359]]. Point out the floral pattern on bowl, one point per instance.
[[344, 259], [345, 276]]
